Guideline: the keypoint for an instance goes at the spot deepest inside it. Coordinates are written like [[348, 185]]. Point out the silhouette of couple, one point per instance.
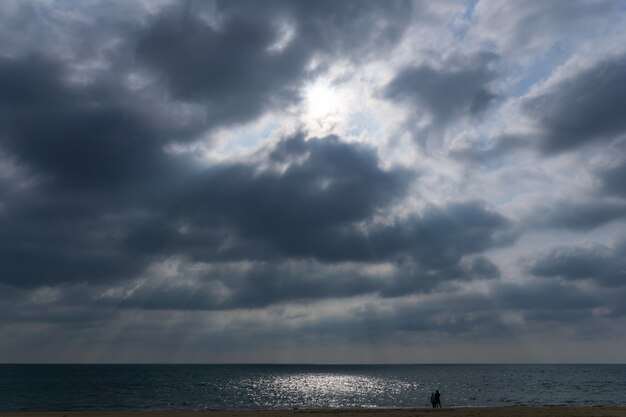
[[435, 399]]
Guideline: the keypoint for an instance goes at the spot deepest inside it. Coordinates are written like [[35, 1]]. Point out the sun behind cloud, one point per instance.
[[324, 106]]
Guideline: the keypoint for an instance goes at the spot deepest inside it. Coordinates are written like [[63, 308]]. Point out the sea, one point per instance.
[[243, 387]]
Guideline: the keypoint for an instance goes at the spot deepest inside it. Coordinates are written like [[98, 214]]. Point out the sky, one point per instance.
[[313, 181]]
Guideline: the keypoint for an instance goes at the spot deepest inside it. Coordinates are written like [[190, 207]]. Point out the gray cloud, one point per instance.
[[583, 108], [577, 214], [235, 68], [325, 187], [579, 110], [322, 205], [80, 136], [535, 26], [229, 69], [223, 286], [460, 88], [320, 198], [612, 180], [492, 152], [85, 237], [601, 264], [94, 148], [349, 28], [124, 211], [92, 158], [477, 315], [536, 305]]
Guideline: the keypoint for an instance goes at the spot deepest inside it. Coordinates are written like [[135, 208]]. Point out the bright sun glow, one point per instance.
[[321, 100], [323, 104]]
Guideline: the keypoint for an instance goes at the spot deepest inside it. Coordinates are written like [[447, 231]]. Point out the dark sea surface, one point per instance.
[[201, 387]]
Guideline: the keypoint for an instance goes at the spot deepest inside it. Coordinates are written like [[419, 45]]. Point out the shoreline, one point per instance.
[[514, 411]]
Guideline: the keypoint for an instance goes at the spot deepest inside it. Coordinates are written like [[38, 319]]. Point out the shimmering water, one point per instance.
[[198, 387]]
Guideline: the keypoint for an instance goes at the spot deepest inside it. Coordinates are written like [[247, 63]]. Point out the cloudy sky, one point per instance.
[[312, 181]]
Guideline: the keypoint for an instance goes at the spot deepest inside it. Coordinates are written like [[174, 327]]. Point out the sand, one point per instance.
[[421, 412]]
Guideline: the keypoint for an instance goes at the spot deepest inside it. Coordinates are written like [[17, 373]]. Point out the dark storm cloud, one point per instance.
[[459, 88], [324, 184], [229, 68], [451, 232], [109, 234], [320, 202], [258, 54], [320, 198], [581, 109], [77, 135], [323, 204], [45, 242], [100, 157], [598, 263], [93, 148], [93, 154], [355, 28]]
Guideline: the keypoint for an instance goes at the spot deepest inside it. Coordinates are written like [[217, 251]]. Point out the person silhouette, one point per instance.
[[432, 399], [437, 399]]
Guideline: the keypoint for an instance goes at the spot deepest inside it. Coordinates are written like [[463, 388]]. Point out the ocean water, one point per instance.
[[202, 387]]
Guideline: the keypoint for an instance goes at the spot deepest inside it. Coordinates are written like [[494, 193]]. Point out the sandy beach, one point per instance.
[[420, 412]]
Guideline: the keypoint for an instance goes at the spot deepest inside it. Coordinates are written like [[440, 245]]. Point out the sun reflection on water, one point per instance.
[[328, 390], [320, 384]]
